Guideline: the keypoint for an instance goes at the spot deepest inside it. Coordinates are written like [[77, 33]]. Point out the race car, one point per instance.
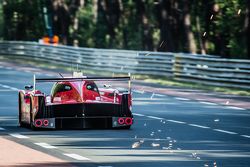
[[76, 103]]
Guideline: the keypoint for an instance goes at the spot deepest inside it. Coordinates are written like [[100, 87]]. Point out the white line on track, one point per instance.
[[140, 115], [224, 131], [194, 125], [180, 98], [179, 122], [209, 103], [138, 91], [45, 145], [2, 128], [247, 136], [77, 157], [235, 108], [5, 86], [6, 90], [9, 68], [9, 87], [15, 89], [160, 95], [49, 75], [105, 166], [155, 117], [199, 126], [19, 136]]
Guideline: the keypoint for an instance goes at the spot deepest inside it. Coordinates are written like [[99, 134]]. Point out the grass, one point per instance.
[[147, 79], [169, 82]]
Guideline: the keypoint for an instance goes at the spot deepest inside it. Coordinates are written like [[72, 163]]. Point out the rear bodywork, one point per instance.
[[76, 103]]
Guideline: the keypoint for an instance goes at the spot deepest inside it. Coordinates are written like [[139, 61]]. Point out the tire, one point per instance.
[[21, 124], [31, 120]]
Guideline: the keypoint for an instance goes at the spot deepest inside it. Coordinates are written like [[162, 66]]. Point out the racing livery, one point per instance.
[[76, 103]]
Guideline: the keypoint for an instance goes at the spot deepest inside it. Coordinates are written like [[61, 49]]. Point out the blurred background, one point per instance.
[[215, 27]]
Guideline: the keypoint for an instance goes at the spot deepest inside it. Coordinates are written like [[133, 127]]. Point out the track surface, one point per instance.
[[168, 131]]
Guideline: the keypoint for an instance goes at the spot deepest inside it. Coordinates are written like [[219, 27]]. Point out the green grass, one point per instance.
[[169, 82], [148, 79]]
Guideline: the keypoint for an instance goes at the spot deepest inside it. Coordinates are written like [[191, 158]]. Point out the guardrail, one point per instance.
[[203, 69]]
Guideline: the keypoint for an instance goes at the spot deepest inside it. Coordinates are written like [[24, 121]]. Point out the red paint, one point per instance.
[[74, 92]]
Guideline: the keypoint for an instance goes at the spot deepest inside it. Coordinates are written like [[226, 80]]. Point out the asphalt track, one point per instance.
[[168, 131]]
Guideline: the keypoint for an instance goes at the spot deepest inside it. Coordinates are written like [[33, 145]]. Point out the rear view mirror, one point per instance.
[[28, 87]]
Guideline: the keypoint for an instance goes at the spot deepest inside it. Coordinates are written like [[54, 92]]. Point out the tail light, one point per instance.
[[38, 123], [45, 122], [128, 121], [121, 121]]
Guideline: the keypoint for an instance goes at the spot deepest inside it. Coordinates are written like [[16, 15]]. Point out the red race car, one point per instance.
[[76, 103]]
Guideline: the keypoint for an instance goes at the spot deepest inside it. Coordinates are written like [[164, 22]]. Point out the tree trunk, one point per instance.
[[199, 36], [61, 20], [248, 29], [74, 7], [166, 39], [147, 39], [111, 11], [190, 41], [95, 10]]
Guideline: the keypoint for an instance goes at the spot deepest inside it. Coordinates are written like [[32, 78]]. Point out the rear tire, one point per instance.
[[31, 120], [21, 124]]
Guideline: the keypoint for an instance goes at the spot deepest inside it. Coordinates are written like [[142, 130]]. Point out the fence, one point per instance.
[[209, 70]]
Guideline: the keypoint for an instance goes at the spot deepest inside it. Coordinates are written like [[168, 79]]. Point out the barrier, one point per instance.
[[203, 69]]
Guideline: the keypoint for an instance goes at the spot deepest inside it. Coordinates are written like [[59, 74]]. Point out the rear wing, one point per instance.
[[127, 78]]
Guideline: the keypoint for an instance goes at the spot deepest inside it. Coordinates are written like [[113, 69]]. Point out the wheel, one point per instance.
[[31, 120], [21, 124]]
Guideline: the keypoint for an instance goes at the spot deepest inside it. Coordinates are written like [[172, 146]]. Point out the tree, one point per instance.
[[147, 40], [166, 37], [248, 28], [189, 36], [197, 26]]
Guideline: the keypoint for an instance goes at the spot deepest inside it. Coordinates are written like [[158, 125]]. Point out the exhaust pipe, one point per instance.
[[38, 123], [128, 121], [121, 121]]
